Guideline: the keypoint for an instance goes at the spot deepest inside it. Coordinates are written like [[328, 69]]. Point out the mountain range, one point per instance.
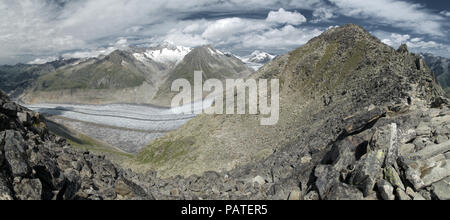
[[137, 75]]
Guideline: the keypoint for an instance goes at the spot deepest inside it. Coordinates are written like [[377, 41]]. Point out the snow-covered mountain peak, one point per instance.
[[166, 52], [260, 57], [213, 51], [257, 59]]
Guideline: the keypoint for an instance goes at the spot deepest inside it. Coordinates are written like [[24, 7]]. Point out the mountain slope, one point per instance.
[[341, 73], [441, 68], [213, 63], [138, 75], [14, 79]]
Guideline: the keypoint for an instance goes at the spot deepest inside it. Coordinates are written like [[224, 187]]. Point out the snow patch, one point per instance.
[[166, 53]]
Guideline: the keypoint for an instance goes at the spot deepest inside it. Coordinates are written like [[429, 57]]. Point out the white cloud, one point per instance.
[[415, 44], [323, 15], [400, 14], [286, 38], [445, 13], [285, 17]]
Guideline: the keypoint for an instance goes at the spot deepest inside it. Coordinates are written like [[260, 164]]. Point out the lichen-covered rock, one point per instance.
[[28, 189], [386, 190], [15, 153]]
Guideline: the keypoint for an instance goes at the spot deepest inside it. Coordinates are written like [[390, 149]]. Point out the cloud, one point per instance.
[[285, 17], [415, 44], [445, 13], [323, 15], [286, 38], [400, 14], [31, 29]]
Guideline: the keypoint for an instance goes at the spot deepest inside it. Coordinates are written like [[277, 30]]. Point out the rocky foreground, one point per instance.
[[402, 152]]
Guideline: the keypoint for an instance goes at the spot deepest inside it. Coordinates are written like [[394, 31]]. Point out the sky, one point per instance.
[[36, 31]]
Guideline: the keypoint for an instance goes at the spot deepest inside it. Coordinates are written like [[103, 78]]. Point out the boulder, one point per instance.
[[406, 149], [442, 189], [327, 177], [295, 195], [260, 180], [423, 130], [367, 170], [72, 184], [10, 109], [342, 191], [422, 173], [5, 191], [386, 190], [431, 151], [401, 195], [15, 153], [28, 189], [391, 175], [122, 189]]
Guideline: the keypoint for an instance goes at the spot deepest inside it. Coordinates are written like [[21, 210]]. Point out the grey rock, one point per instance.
[[295, 195], [401, 195], [410, 192], [423, 130], [342, 191], [72, 184], [431, 151], [367, 170], [327, 177], [406, 149], [422, 173], [418, 197], [259, 179], [393, 177], [442, 189], [386, 190], [312, 196], [441, 139], [15, 153], [10, 109], [28, 189], [24, 117], [5, 191]]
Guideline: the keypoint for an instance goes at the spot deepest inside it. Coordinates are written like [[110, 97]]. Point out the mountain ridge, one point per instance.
[[327, 79], [137, 76]]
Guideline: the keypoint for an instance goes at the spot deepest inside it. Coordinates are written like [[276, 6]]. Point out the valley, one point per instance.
[[124, 126]]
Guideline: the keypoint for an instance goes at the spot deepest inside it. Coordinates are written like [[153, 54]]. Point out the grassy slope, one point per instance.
[[83, 142]]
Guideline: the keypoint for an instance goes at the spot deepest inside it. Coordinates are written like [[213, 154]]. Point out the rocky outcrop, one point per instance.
[[37, 165]]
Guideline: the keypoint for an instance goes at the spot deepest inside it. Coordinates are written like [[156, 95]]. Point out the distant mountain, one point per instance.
[[440, 66], [14, 78], [257, 59], [211, 61], [166, 53], [136, 75]]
